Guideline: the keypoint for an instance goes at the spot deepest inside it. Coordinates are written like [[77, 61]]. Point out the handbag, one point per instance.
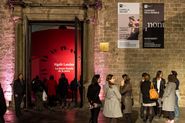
[[44, 96], [153, 93]]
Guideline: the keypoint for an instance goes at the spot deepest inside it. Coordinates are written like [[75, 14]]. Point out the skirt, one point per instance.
[[169, 115]]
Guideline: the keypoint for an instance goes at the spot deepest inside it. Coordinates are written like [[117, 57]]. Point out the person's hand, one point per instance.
[[122, 82]]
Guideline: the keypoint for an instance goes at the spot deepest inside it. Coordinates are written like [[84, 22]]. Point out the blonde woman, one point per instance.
[[112, 105]]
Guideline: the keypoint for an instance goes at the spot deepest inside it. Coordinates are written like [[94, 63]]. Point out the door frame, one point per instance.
[[27, 24]]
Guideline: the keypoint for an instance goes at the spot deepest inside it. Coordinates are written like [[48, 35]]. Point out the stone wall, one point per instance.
[[115, 61], [7, 50], [136, 61]]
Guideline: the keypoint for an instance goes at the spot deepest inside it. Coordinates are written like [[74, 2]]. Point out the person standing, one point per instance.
[[126, 94], [177, 95], [159, 85], [52, 85], [93, 98], [3, 107], [140, 95], [63, 90], [169, 99], [112, 105], [74, 90], [148, 104], [81, 88], [38, 88], [19, 88]]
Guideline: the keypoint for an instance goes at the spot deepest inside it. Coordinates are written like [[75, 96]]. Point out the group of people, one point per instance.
[[167, 102], [46, 93], [55, 92], [119, 98]]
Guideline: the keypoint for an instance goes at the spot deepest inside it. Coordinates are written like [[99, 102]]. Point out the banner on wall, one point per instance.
[[128, 25], [153, 25]]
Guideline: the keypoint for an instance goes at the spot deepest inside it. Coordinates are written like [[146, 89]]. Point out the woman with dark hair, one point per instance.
[[19, 88], [177, 95], [93, 98], [126, 94], [159, 85], [169, 99], [112, 105], [148, 104]]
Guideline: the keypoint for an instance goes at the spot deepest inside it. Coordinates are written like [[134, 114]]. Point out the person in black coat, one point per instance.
[[19, 88], [3, 107], [159, 85], [74, 89], [93, 98], [38, 88], [62, 90], [148, 104]]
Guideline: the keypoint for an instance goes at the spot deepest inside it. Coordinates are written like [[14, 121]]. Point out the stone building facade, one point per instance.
[[101, 28]]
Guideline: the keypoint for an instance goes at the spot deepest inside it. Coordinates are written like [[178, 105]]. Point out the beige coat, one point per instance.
[[112, 105], [169, 97]]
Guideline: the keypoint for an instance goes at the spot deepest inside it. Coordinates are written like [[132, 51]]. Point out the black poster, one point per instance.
[[153, 25]]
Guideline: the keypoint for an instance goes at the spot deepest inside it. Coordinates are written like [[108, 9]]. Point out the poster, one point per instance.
[[128, 25], [153, 25]]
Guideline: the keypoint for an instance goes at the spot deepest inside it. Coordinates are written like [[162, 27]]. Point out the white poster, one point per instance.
[[128, 25]]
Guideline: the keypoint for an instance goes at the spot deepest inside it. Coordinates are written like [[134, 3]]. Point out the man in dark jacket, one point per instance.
[[38, 87], [19, 89], [74, 89], [2, 106], [63, 89]]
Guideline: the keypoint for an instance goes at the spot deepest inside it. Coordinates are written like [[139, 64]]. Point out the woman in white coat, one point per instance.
[[112, 105], [169, 100]]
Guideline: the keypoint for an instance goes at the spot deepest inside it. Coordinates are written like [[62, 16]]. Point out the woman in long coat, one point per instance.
[[112, 105], [169, 99], [126, 93]]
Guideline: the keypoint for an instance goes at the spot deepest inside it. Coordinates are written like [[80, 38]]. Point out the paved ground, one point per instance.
[[75, 115]]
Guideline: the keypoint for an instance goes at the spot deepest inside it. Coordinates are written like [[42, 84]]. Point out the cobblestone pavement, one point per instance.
[[75, 115]]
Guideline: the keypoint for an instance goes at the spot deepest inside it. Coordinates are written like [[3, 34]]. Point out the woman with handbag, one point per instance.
[[148, 111], [93, 98], [112, 105], [126, 95]]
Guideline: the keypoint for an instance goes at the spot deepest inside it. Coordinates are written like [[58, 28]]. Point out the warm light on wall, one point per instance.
[[104, 46]]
